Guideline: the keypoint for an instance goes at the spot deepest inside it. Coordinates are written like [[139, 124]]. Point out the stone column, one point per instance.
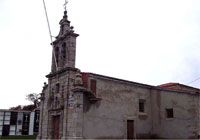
[[65, 112], [79, 111], [42, 121], [75, 110], [75, 116]]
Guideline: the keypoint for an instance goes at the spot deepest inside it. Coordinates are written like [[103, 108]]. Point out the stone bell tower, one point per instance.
[[59, 114], [64, 47]]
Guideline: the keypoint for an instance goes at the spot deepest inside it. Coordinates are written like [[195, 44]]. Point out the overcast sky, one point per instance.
[[146, 41]]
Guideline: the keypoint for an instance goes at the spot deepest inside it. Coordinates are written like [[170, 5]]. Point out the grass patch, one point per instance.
[[18, 137]]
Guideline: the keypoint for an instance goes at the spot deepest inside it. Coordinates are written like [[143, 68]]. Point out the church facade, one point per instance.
[[82, 105]]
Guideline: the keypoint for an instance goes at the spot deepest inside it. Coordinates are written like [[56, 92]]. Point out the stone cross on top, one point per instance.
[[65, 5]]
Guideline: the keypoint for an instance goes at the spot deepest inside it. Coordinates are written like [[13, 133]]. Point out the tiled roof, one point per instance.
[[180, 87], [168, 85]]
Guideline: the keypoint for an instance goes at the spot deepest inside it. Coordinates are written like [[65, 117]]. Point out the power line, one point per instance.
[[45, 9], [194, 81]]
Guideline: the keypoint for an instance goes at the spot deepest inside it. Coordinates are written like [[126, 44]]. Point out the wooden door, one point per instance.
[[56, 122], [130, 129]]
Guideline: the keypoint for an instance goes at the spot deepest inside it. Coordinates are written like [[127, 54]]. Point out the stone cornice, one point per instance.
[[70, 33], [52, 74]]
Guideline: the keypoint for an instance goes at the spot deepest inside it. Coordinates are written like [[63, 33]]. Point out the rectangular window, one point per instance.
[[57, 88], [12, 133], [93, 85], [141, 105], [19, 118], [12, 130], [7, 113], [1, 117], [6, 122], [12, 127], [7, 118], [13, 119], [169, 113], [1, 113]]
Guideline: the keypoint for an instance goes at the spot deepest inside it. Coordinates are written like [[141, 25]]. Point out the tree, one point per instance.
[[25, 107], [34, 98], [19, 107], [29, 107]]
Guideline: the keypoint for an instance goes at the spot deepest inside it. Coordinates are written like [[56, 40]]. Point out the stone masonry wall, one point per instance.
[[119, 102], [184, 124]]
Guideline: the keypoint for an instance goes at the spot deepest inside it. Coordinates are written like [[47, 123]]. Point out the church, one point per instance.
[[80, 105]]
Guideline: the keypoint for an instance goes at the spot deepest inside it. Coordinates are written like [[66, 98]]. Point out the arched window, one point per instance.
[[62, 29], [63, 53], [57, 54], [64, 50]]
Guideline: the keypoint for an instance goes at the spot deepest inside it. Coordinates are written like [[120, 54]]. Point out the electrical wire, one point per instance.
[[194, 81], [45, 9]]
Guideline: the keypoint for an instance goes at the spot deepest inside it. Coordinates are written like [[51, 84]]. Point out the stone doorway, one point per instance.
[[56, 123], [130, 129]]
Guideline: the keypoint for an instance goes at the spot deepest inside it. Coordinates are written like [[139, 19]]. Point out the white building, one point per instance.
[[14, 122]]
